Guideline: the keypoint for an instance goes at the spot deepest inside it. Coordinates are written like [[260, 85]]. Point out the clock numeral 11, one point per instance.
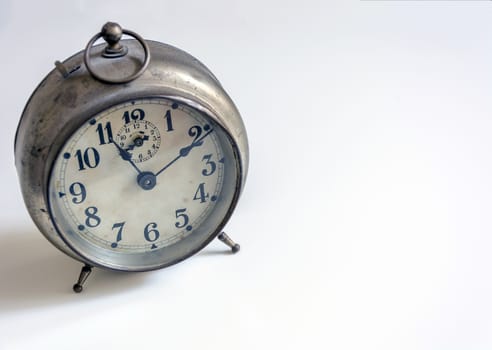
[[105, 133]]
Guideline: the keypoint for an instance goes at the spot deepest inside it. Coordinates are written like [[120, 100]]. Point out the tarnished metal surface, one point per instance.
[[69, 95]]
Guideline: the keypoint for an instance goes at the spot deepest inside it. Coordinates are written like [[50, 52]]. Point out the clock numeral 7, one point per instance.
[[119, 226]]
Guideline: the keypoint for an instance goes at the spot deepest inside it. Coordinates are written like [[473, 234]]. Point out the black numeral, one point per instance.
[[169, 121], [89, 158], [92, 219], [105, 133], [211, 165], [195, 131], [200, 193], [180, 215], [150, 232], [119, 226], [136, 114], [78, 191]]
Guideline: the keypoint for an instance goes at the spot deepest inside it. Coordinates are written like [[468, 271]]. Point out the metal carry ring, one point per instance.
[[122, 80]]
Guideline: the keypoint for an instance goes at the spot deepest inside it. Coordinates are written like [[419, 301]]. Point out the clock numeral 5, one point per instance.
[[180, 214]]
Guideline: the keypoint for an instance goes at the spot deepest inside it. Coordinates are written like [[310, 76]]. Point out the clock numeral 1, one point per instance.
[[105, 133], [119, 226], [200, 193], [169, 121], [211, 164], [150, 232], [92, 219], [78, 191], [89, 158], [136, 114]]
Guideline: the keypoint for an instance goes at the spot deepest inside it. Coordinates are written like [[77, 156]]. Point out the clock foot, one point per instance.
[[84, 273], [229, 242]]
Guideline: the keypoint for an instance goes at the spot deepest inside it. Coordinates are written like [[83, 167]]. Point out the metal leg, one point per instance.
[[229, 242], [84, 273]]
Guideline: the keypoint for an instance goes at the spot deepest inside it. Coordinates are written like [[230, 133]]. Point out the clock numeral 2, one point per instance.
[[89, 158]]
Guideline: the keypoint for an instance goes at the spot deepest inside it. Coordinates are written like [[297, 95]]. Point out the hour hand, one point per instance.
[[125, 155]]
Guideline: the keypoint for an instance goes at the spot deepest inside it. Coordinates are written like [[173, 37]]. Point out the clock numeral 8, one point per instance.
[[92, 219]]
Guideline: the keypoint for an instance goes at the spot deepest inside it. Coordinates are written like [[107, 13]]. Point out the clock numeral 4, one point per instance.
[[201, 194]]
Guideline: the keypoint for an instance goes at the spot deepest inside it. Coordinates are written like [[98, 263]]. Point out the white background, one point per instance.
[[366, 219]]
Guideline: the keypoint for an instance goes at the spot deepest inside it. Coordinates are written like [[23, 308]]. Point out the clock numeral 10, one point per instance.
[[90, 158]]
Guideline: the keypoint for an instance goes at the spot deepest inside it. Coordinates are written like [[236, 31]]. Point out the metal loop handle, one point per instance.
[[112, 42]]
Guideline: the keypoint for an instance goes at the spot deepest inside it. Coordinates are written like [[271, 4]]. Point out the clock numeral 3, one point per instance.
[[89, 158], [210, 163]]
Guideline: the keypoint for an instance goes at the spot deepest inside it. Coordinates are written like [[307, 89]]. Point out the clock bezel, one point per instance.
[[95, 260]]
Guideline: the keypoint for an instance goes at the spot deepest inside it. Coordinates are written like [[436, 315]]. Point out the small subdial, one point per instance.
[[141, 139]]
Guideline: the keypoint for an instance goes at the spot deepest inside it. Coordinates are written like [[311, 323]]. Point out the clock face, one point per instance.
[[143, 184]]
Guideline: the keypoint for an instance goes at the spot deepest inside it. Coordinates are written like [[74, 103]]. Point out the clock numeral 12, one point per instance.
[[136, 114]]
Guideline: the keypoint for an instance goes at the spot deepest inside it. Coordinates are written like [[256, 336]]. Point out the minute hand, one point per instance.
[[183, 152]]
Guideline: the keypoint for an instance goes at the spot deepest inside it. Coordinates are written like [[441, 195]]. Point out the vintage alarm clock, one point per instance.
[[130, 155]]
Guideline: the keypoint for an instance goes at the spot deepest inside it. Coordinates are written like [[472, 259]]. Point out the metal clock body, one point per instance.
[[130, 155]]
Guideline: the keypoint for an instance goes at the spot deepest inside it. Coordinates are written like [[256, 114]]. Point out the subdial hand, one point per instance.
[[125, 156], [138, 142]]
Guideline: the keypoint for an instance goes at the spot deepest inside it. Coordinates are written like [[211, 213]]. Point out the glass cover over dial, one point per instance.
[[143, 184]]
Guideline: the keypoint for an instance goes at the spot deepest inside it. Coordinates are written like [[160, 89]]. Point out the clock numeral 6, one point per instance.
[[150, 232]]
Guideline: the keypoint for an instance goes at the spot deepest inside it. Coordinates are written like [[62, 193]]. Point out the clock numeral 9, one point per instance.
[[78, 191], [136, 114], [150, 232], [89, 158], [92, 219]]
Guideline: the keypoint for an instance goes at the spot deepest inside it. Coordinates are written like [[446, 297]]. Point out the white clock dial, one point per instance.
[[139, 177]]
